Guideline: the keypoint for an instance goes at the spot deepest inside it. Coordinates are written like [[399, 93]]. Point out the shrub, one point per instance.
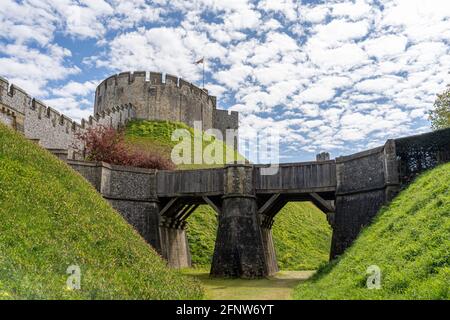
[[108, 144]]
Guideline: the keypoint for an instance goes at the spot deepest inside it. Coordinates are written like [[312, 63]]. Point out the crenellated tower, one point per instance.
[[155, 97]]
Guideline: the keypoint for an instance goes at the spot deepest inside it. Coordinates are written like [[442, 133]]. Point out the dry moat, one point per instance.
[[280, 286]]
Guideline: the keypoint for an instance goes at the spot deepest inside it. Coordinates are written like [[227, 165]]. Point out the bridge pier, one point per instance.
[[174, 243], [269, 250], [239, 250]]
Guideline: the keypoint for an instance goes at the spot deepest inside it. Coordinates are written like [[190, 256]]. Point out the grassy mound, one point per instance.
[[409, 241], [302, 235], [51, 218], [157, 136]]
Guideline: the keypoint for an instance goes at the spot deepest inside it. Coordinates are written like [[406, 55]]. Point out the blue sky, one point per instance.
[[337, 76]]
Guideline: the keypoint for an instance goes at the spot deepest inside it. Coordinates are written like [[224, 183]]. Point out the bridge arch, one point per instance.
[[174, 217], [271, 205]]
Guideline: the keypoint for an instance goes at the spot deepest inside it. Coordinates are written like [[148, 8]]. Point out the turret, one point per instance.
[[157, 97]]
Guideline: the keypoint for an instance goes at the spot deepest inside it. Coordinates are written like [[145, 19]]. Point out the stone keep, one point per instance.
[[173, 99], [147, 96]]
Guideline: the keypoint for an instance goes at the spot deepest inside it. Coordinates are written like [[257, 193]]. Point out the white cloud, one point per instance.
[[271, 24], [335, 76], [234, 77], [25, 22], [316, 94], [32, 69], [216, 90], [286, 7], [353, 10], [350, 134], [378, 85], [340, 30], [172, 50], [71, 107], [243, 19], [346, 56], [85, 21], [314, 14], [385, 46], [131, 13], [73, 88]]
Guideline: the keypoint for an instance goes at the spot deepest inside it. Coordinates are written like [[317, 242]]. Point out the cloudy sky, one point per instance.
[[339, 76]]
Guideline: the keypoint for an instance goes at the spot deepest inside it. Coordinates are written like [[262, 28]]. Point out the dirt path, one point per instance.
[[278, 287]]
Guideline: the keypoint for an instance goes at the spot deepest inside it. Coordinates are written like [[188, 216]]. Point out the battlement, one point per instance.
[[54, 130], [156, 79], [13, 96], [225, 120], [157, 96]]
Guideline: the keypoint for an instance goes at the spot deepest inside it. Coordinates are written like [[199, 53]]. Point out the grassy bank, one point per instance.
[[410, 243], [51, 218]]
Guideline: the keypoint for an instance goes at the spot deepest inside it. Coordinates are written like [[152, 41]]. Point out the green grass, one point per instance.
[[201, 232], [157, 136], [52, 218], [277, 287], [409, 241], [302, 235]]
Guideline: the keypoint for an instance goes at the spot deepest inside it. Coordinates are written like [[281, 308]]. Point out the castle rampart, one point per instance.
[[42, 123], [118, 99]]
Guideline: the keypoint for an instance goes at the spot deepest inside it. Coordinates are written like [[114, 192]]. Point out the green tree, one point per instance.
[[440, 115]]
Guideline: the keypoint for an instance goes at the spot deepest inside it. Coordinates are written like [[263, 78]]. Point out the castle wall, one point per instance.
[[53, 130], [365, 182], [174, 99], [6, 119], [132, 192], [223, 119], [11, 118]]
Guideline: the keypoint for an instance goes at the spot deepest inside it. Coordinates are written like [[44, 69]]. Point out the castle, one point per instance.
[[174, 100], [350, 190], [118, 99]]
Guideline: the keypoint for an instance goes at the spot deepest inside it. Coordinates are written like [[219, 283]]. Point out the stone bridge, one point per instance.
[[349, 190]]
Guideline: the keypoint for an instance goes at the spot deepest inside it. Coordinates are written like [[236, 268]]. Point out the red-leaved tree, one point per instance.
[[108, 144]]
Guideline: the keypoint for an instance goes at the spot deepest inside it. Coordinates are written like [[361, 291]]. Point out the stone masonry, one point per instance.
[[173, 99], [47, 126]]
